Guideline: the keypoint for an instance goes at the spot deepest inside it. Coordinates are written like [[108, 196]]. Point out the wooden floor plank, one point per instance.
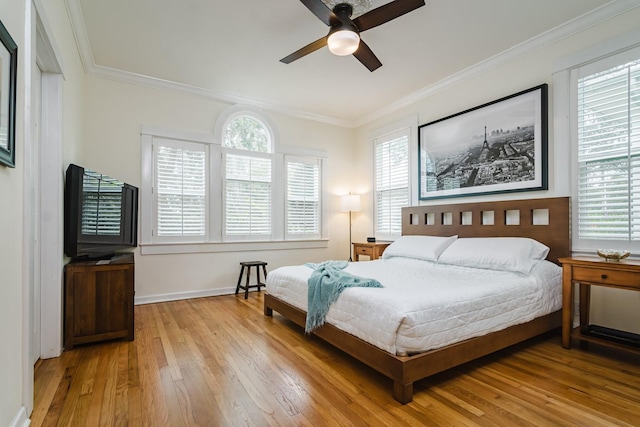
[[219, 361]]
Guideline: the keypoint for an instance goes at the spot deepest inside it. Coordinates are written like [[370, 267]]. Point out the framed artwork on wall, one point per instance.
[[497, 147], [8, 69]]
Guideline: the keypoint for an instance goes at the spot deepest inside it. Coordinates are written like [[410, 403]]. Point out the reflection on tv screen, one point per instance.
[[101, 205]]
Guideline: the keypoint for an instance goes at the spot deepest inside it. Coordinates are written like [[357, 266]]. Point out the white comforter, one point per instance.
[[425, 305]]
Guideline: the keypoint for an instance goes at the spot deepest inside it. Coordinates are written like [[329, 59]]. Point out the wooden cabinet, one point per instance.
[[98, 297], [372, 250], [588, 272]]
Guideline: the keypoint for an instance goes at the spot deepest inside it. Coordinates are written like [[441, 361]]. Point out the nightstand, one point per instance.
[[591, 271], [373, 250]]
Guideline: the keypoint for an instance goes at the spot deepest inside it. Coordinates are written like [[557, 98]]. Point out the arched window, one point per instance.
[[246, 132], [247, 143], [239, 184]]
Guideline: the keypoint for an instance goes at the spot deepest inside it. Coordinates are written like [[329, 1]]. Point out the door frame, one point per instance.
[[41, 51]]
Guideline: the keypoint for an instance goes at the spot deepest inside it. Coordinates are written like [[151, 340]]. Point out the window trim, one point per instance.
[[148, 133], [214, 240], [221, 123], [195, 248], [565, 126], [168, 239], [410, 123]]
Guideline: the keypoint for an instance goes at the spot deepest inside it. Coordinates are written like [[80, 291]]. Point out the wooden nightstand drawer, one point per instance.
[[371, 249], [605, 276], [363, 250]]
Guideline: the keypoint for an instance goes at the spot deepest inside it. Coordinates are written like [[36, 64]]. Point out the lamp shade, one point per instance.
[[350, 203], [343, 42]]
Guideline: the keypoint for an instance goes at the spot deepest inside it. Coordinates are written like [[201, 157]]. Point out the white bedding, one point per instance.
[[424, 305]]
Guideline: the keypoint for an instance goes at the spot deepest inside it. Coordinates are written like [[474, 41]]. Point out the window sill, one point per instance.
[[194, 248]]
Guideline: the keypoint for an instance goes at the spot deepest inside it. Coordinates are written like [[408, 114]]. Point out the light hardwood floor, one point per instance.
[[220, 362]]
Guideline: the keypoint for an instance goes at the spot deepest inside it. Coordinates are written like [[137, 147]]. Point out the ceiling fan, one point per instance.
[[344, 33]]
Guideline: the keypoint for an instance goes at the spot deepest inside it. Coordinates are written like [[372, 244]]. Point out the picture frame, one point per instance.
[[497, 147], [8, 70]]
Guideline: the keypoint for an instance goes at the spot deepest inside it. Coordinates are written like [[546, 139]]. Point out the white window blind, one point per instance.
[[391, 182], [247, 195], [303, 197], [608, 104], [180, 190]]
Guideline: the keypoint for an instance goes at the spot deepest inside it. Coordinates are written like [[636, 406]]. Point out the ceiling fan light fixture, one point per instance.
[[343, 42]]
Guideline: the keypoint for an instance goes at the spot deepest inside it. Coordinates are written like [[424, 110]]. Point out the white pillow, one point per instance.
[[421, 247], [519, 254]]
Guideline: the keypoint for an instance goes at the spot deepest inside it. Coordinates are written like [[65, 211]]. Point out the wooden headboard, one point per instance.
[[545, 220]]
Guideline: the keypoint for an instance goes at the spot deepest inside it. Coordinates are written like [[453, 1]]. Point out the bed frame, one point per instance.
[[545, 220]]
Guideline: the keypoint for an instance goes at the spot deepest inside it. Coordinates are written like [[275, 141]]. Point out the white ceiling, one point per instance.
[[232, 48]]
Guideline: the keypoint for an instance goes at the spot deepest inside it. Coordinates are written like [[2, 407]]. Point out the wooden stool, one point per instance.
[[249, 264]]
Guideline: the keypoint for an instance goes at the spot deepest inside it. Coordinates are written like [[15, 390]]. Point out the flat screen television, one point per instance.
[[100, 214]]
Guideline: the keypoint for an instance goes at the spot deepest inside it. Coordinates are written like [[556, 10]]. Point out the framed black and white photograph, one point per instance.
[[8, 68], [497, 147]]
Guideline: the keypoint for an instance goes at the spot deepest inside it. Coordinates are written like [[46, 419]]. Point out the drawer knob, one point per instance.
[[604, 276]]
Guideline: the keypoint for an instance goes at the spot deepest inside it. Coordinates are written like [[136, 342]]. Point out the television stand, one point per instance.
[[98, 300]]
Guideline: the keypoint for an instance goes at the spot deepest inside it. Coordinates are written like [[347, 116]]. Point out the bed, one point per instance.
[[544, 220]]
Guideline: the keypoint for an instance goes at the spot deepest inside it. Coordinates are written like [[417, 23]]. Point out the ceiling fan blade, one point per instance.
[[365, 55], [311, 47], [386, 13], [321, 10]]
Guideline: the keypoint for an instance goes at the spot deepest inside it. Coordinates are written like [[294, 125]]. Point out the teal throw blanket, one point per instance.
[[326, 283]]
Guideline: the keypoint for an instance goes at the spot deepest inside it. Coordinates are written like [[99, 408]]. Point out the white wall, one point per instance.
[[614, 309], [16, 15], [12, 14], [74, 79], [115, 112]]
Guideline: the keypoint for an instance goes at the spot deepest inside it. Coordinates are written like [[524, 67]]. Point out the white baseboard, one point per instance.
[[21, 419], [175, 296]]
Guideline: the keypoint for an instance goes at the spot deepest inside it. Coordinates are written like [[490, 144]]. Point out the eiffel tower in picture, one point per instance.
[[485, 144]]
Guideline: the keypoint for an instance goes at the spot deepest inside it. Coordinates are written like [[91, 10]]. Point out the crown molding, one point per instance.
[[227, 98], [576, 25], [589, 19], [74, 11], [79, 30]]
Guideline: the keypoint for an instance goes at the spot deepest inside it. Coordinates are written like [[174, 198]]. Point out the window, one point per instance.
[[247, 196], [596, 108], [247, 133], [215, 192], [180, 193], [247, 179], [392, 189], [303, 197], [608, 151]]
